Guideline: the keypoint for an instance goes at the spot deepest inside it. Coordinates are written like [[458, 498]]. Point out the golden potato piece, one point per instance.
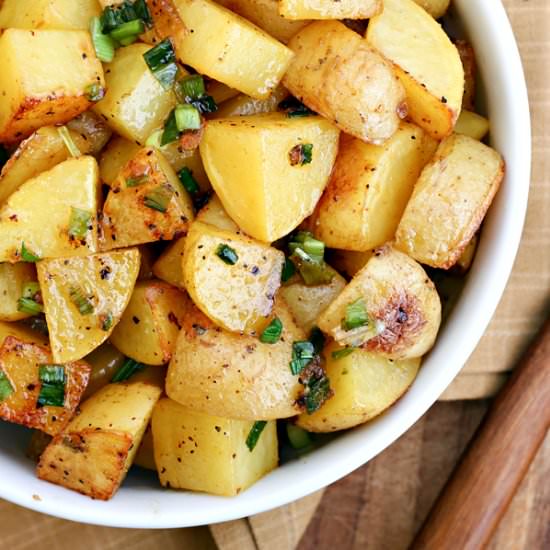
[[400, 310], [232, 278], [348, 262], [214, 214], [338, 75], [364, 384], [427, 63], [320, 9], [214, 43], [13, 278], [105, 362], [45, 79], [150, 325], [168, 267], [98, 446], [257, 163], [217, 372], [207, 453], [115, 156], [66, 227], [450, 201], [244, 105], [473, 125], [84, 299], [436, 8], [369, 189], [92, 131], [145, 456]]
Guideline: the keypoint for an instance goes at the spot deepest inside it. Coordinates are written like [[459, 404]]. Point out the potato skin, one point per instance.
[[402, 304], [332, 64], [450, 201]]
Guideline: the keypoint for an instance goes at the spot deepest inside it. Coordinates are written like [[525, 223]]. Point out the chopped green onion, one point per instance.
[[302, 353], [356, 315], [6, 389], [94, 92], [301, 154], [28, 305], [28, 256], [317, 338], [317, 392], [81, 302], [135, 182], [187, 118], [155, 139], [132, 29], [288, 271], [314, 272], [161, 60], [254, 434], [128, 40], [103, 44], [159, 198], [309, 244], [294, 108], [340, 353], [205, 104], [68, 141], [192, 87], [106, 321], [272, 332], [227, 254], [142, 11], [171, 132], [80, 223], [188, 181], [30, 290], [52, 390], [114, 16], [297, 436], [128, 369]]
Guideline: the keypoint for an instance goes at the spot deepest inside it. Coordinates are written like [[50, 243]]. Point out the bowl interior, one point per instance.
[[142, 503]]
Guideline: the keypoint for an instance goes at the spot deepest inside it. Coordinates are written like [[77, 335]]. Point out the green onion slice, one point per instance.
[[81, 301], [106, 321], [317, 392], [191, 87], [103, 44], [155, 139], [187, 118], [188, 181], [94, 92], [301, 154], [27, 255], [288, 271], [309, 244], [69, 142], [313, 271], [161, 60], [6, 389], [356, 315], [254, 434], [142, 11], [302, 353], [294, 108], [340, 353], [128, 369], [205, 104], [159, 198], [227, 254], [30, 290], [131, 29], [272, 332], [80, 223], [28, 305], [135, 182], [52, 390], [171, 132], [298, 437]]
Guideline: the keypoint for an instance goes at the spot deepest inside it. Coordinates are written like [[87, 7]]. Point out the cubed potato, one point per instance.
[[370, 187], [94, 452], [320, 9], [150, 325], [145, 456], [473, 125], [71, 192], [219, 92], [147, 203], [93, 131], [104, 362], [468, 58], [402, 307], [237, 293], [115, 156], [306, 303], [244, 105], [449, 201], [217, 372], [215, 41], [207, 453], [426, 62], [84, 299], [436, 8], [22, 353], [48, 14], [40, 152], [333, 64], [348, 262], [364, 383], [13, 278], [135, 104], [214, 214], [265, 14], [258, 163], [45, 79]]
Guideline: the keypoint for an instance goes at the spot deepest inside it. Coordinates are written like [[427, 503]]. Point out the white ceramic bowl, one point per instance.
[[142, 503]]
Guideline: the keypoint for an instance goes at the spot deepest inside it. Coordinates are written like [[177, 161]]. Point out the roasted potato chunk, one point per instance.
[[426, 61], [211, 47], [147, 203], [370, 187], [214, 214], [449, 201], [208, 453], [105, 362], [319, 9], [45, 79], [150, 325], [436, 8], [48, 14], [26, 395], [332, 64], [135, 104], [13, 279], [84, 299], [66, 227], [217, 372], [115, 156], [94, 452], [232, 278], [244, 105], [257, 163], [471, 124], [399, 308], [92, 130], [364, 383], [348, 262], [145, 456]]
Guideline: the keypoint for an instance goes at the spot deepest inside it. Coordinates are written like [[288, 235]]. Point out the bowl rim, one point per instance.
[[140, 506]]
